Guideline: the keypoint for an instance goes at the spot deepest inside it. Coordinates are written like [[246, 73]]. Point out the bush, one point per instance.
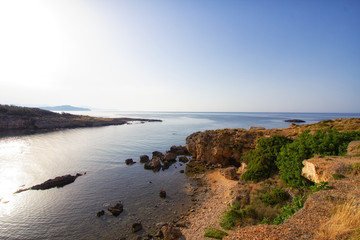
[[277, 196], [296, 204], [261, 162], [235, 215], [323, 142], [287, 211], [215, 233]]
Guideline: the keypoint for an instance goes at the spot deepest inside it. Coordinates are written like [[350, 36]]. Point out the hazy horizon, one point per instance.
[[188, 56]]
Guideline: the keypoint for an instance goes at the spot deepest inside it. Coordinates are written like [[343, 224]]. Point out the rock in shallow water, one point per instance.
[[117, 209], [129, 161], [100, 213], [162, 194], [144, 158]]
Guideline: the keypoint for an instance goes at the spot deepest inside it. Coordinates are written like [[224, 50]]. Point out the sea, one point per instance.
[[27, 159]]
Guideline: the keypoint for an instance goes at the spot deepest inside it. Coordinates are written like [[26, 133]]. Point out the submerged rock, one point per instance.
[[117, 209]]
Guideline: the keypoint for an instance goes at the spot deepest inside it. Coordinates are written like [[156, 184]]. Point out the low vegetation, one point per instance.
[[281, 155], [261, 161], [344, 222], [277, 196], [323, 143], [215, 233]]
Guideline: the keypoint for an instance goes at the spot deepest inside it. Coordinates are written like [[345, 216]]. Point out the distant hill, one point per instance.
[[65, 108]]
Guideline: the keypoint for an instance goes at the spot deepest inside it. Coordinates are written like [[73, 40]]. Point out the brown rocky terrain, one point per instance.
[[221, 146], [22, 118]]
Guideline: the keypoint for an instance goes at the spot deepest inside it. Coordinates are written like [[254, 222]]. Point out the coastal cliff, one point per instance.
[[228, 145], [22, 118]]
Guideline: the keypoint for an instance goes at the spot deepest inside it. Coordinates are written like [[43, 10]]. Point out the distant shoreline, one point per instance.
[[24, 118]]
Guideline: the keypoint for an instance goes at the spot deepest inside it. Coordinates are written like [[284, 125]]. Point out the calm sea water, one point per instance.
[[69, 212]]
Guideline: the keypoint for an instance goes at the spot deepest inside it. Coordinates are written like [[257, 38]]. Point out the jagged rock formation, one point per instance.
[[223, 146]]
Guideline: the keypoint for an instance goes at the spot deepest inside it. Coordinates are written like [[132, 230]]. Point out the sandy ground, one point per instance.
[[208, 213]]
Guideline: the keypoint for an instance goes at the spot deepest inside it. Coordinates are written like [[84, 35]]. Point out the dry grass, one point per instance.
[[344, 223]]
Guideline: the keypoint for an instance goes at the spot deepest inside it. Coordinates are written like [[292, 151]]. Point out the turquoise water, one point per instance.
[[69, 212]]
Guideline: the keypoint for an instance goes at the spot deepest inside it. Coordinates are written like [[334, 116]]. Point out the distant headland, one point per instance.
[[65, 108], [24, 118]]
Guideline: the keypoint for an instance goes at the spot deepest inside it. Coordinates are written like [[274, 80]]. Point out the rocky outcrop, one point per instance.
[[52, 183], [220, 146], [228, 145], [322, 169]]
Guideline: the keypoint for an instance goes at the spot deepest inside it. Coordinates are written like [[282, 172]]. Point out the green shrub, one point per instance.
[[234, 216], [261, 161], [338, 176], [323, 142], [287, 211], [278, 195], [215, 233], [296, 204]]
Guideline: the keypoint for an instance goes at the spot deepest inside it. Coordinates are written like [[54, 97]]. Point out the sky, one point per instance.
[[188, 55]]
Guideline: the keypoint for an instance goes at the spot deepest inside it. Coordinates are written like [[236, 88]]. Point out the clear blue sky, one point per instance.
[[297, 56]]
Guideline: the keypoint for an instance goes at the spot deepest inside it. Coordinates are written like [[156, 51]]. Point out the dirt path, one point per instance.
[[208, 214]]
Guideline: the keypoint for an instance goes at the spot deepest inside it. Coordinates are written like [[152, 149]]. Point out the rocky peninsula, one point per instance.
[[336, 179], [23, 118]]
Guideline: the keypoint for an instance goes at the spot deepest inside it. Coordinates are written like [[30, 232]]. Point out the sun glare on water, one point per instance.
[[11, 168]]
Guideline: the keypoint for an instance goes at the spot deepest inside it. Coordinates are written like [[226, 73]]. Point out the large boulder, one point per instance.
[[230, 173], [322, 169], [354, 148]]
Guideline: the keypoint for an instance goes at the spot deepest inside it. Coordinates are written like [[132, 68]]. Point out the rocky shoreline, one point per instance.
[[214, 163]]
